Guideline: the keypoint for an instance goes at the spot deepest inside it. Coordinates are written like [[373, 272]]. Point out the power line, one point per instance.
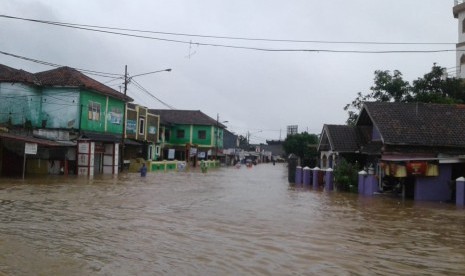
[[90, 72], [81, 27], [153, 96], [227, 37]]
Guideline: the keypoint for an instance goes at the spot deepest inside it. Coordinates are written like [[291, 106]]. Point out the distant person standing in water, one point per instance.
[[143, 170]]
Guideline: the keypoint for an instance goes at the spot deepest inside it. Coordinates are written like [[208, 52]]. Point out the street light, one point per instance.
[[143, 74], [127, 79], [218, 133]]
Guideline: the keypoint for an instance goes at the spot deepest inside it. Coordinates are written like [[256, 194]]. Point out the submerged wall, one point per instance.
[[436, 188]]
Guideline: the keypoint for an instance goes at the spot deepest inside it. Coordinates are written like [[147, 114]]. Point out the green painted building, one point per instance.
[[65, 106], [189, 135]]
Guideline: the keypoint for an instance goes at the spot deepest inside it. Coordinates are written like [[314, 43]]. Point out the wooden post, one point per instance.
[[24, 165]]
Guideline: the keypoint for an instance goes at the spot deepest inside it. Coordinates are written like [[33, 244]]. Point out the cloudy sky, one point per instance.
[[257, 91]]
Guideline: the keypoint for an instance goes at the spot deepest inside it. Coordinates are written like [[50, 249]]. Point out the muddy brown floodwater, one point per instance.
[[226, 222]]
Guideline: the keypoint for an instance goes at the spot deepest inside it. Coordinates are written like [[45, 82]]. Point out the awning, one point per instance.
[[406, 158], [31, 139], [101, 137], [131, 142]]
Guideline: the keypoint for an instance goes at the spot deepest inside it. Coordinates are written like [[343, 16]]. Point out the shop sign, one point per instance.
[[30, 148]]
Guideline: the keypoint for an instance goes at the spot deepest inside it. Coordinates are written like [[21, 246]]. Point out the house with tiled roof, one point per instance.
[[66, 106], [189, 135], [336, 142], [419, 146]]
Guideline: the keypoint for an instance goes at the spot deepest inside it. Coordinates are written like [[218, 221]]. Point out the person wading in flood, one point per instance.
[[143, 170]]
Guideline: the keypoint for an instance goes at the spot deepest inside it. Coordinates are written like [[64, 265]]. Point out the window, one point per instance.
[[180, 133], [463, 26], [202, 134], [94, 111], [141, 126], [150, 153]]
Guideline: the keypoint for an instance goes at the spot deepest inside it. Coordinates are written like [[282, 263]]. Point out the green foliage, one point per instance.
[[243, 143], [433, 87], [387, 88], [303, 145], [346, 176]]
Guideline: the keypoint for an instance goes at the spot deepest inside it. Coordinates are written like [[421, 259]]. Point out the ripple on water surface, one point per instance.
[[228, 221]]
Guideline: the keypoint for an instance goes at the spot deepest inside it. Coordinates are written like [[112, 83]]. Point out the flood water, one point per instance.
[[226, 222]]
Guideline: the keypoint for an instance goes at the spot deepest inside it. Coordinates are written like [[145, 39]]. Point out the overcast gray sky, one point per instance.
[[260, 92]]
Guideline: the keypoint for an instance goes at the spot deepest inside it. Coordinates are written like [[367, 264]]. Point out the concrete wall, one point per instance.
[[434, 188]]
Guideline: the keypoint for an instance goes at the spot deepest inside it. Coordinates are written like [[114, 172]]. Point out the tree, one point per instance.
[[433, 87], [436, 87], [346, 176], [243, 143], [387, 88], [303, 145]]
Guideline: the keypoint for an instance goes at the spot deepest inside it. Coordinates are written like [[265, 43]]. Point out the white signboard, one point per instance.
[[83, 160], [30, 148], [83, 147], [83, 171], [171, 154]]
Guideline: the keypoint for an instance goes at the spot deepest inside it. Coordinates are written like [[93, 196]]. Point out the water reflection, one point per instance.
[[228, 221]]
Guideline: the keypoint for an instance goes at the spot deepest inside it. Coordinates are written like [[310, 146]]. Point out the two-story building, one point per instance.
[[75, 121], [141, 134], [189, 135]]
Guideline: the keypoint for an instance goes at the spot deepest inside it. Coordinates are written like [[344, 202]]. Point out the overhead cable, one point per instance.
[[90, 72], [140, 87], [228, 37], [84, 27]]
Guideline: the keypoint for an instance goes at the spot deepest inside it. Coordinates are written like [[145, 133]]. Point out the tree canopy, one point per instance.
[[433, 87], [304, 145]]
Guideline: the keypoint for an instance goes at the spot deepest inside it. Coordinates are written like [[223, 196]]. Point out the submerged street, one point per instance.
[[226, 222]]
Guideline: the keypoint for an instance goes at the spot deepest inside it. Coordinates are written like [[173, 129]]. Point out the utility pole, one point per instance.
[[127, 80], [123, 136], [217, 134]]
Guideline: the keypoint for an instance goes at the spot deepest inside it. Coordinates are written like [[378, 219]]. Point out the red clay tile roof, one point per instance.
[[70, 77], [418, 124], [63, 76], [14, 75]]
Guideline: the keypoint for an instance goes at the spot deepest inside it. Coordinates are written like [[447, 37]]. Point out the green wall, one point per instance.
[[115, 116], [20, 102], [60, 107], [180, 141], [101, 118], [209, 140]]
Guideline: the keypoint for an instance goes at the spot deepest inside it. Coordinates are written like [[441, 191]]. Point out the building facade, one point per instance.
[[189, 135], [82, 117]]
